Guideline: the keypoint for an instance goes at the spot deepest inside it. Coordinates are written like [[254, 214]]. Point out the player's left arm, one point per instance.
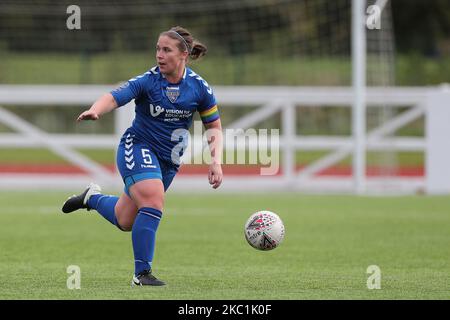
[[209, 113], [215, 142]]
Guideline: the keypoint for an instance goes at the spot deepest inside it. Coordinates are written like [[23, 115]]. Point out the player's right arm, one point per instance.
[[104, 104], [116, 98]]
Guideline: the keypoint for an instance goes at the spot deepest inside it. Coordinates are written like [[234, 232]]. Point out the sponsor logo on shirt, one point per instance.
[[170, 114], [155, 110]]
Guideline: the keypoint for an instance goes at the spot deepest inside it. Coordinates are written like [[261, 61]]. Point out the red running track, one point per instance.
[[232, 170]]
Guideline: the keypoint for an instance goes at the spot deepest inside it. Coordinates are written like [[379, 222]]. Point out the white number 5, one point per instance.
[[146, 156]]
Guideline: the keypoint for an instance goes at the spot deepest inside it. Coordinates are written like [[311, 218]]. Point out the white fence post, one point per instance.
[[437, 132], [359, 87], [288, 118]]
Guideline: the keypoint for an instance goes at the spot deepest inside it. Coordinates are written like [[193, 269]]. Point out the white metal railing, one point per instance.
[[271, 100]]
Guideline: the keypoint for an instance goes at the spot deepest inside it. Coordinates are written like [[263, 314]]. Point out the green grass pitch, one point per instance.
[[201, 252]]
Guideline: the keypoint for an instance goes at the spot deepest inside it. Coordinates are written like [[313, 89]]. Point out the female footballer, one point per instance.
[[148, 154]]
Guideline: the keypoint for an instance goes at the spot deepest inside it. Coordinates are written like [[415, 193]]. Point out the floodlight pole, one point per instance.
[[359, 89]]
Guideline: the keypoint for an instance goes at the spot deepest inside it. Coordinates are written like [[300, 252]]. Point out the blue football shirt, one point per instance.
[[164, 110]]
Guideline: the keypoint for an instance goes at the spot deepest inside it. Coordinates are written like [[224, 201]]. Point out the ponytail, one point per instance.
[[186, 42]]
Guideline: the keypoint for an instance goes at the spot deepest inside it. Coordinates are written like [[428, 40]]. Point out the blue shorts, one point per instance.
[[136, 161]]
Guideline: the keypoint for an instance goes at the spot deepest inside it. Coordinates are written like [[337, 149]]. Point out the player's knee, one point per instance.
[[152, 202]]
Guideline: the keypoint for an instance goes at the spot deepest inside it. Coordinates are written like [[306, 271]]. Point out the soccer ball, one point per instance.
[[264, 230]]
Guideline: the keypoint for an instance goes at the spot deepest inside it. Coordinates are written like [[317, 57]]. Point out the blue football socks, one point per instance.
[[143, 237], [105, 205]]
